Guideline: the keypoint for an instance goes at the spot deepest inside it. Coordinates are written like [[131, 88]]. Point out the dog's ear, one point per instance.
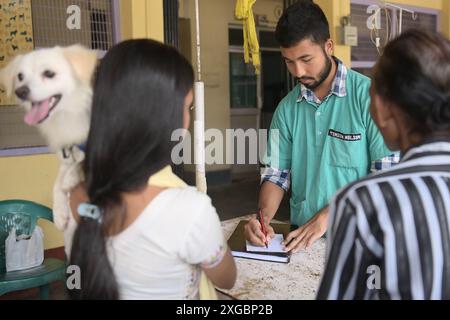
[[83, 61], [8, 73]]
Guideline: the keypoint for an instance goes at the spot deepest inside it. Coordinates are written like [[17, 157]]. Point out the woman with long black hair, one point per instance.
[[135, 240]]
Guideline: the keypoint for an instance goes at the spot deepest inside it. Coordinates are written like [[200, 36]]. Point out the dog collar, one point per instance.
[[67, 152], [82, 147]]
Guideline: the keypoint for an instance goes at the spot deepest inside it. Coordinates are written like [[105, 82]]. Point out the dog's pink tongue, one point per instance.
[[37, 113]]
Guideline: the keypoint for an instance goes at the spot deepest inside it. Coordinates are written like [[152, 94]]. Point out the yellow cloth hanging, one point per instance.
[[244, 11], [167, 179]]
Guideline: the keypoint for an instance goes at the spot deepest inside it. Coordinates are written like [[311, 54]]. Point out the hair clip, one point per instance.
[[90, 211]]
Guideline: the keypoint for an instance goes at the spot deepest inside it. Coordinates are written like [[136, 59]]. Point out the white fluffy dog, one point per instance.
[[54, 87]]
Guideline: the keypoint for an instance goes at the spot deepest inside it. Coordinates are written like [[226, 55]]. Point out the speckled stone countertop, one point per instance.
[[262, 280]]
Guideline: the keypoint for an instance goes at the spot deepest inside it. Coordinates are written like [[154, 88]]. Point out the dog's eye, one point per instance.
[[20, 76], [49, 74]]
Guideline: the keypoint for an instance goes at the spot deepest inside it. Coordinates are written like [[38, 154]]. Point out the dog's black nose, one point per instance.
[[23, 92]]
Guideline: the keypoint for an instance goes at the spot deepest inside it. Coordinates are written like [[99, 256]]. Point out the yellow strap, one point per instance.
[[207, 289], [165, 178], [244, 12]]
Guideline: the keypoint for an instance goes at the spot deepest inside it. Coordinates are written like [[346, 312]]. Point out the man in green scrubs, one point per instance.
[[322, 134]]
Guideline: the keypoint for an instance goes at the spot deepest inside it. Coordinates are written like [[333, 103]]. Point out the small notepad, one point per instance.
[[275, 253], [275, 245]]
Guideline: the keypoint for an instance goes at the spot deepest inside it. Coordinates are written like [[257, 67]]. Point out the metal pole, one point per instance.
[[199, 123]]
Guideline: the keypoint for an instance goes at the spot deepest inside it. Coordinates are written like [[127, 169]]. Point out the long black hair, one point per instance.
[[414, 74], [138, 101]]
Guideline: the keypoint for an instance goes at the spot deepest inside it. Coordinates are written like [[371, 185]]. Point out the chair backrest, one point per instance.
[[21, 215]]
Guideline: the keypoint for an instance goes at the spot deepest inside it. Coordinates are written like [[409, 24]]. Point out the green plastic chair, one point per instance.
[[23, 216]]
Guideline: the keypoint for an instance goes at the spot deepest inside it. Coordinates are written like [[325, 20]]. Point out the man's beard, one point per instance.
[[323, 75]]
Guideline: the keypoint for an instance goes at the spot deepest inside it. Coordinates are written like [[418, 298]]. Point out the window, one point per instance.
[[235, 37], [48, 19], [244, 88], [242, 82], [364, 56]]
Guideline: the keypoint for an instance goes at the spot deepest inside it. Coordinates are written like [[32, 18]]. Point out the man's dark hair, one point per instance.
[[302, 20]]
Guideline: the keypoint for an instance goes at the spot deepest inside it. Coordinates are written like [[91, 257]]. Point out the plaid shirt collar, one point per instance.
[[338, 85]]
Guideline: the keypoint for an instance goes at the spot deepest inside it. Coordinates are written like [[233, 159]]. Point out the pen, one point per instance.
[[263, 227]]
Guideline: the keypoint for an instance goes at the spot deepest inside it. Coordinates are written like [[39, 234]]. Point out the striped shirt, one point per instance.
[[388, 236]]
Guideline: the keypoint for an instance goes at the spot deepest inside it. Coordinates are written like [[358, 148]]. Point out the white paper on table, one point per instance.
[[275, 245]]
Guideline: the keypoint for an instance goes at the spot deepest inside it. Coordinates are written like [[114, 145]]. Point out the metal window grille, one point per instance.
[[171, 22], [95, 30]]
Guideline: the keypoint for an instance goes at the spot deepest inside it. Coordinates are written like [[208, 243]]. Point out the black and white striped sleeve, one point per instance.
[[352, 246], [340, 261]]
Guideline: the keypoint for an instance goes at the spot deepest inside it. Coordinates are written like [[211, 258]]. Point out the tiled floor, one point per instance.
[[238, 199]]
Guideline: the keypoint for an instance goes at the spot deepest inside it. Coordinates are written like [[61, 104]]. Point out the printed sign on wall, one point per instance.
[[16, 34]]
